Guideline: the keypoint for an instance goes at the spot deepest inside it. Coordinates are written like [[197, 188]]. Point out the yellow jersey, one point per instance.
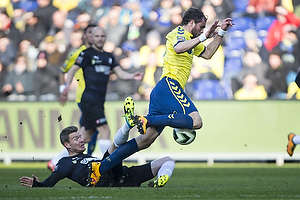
[[69, 62], [178, 66]]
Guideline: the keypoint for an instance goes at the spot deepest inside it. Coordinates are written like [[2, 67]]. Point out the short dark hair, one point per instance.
[[88, 26], [193, 13], [64, 134]]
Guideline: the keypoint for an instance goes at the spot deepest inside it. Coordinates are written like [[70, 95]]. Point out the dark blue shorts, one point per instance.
[[168, 97], [92, 114]]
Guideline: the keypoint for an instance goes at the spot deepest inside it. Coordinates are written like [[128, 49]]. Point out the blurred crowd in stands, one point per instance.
[[259, 57]]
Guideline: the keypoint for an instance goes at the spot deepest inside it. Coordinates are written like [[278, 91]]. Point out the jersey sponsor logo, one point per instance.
[[96, 61], [102, 69], [79, 60], [88, 160]]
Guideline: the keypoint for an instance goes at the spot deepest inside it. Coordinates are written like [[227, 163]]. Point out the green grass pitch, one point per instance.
[[189, 181]]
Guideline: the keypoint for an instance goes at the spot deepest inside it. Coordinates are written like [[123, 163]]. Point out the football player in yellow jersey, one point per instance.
[[169, 105], [68, 63]]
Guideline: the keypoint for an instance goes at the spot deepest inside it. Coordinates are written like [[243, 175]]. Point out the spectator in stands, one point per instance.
[[290, 48], [65, 5], [94, 8], [7, 26], [275, 32], [3, 74], [260, 8], [128, 8], [30, 52], [252, 64], [75, 42], [8, 5], [17, 16], [223, 8], [45, 80], [185, 4], [138, 29], [209, 9], [54, 56], [61, 26], [176, 19], [151, 60], [160, 16], [7, 50], [250, 90], [114, 29], [44, 13], [19, 82], [277, 74], [119, 89], [254, 44], [35, 31], [82, 21]]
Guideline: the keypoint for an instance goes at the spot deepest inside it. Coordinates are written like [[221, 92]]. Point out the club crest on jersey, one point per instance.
[[180, 38]]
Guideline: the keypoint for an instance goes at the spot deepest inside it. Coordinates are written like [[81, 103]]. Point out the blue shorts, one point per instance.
[[168, 97]]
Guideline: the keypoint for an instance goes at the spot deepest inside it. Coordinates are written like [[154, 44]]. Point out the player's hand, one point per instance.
[[138, 76], [226, 24], [212, 30], [27, 181], [64, 96]]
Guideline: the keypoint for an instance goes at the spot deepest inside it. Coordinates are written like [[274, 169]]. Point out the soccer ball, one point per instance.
[[184, 136]]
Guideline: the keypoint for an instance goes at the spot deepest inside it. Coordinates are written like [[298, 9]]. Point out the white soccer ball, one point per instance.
[[184, 136]]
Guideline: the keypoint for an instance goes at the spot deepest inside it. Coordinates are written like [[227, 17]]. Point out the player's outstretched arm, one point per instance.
[[138, 76], [27, 181], [64, 95], [214, 45]]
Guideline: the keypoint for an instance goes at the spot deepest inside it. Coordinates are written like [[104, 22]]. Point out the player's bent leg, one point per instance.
[[197, 120], [145, 140], [158, 163]]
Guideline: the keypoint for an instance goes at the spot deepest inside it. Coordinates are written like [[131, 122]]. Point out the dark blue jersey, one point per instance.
[[74, 168], [96, 68]]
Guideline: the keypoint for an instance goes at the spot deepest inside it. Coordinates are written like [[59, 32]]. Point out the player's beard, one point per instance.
[[99, 45]]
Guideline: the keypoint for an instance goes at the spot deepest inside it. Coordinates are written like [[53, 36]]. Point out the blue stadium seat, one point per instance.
[[263, 23], [240, 5], [242, 24], [208, 90], [232, 67], [29, 6], [235, 43]]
